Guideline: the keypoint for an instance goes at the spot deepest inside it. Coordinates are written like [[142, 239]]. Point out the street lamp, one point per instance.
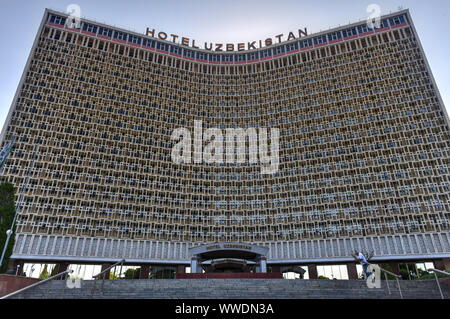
[[8, 234]]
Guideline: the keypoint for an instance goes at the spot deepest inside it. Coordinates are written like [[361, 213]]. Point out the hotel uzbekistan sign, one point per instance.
[[227, 47]]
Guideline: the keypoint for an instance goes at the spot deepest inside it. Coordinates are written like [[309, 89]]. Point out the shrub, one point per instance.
[[425, 275]]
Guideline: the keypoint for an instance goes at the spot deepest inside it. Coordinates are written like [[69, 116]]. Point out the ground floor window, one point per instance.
[[294, 275], [338, 272], [42, 271]]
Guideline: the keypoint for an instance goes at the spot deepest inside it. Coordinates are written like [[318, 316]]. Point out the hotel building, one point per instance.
[[364, 154]]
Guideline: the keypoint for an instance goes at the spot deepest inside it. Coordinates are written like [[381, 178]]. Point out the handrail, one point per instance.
[[390, 273], [109, 268], [103, 272], [397, 277], [437, 279], [37, 284], [439, 271]]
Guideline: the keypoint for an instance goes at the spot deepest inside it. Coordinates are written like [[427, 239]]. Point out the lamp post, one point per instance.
[[8, 235]]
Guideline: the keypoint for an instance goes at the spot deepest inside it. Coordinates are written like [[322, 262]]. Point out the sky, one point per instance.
[[216, 21]]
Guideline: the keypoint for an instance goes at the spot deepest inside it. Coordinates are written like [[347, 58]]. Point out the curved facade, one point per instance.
[[363, 148]]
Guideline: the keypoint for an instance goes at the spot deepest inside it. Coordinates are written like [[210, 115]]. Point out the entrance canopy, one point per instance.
[[229, 251]]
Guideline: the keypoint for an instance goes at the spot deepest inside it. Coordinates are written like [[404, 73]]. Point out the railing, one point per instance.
[[104, 272], [437, 271], [64, 273], [397, 277]]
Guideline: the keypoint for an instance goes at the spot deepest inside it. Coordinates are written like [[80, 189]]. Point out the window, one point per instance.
[[397, 20], [349, 32], [334, 36], [383, 24], [202, 56], [214, 57], [89, 28], [320, 40], [306, 43], [105, 32], [120, 36], [292, 47], [227, 58], [239, 58], [175, 50], [188, 53], [266, 53], [279, 50], [253, 56], [57, 20], [134, 39], [364, 29], [162, 46], [148, 43]]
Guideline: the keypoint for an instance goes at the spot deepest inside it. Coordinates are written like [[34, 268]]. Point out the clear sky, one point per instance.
[[218, 22]]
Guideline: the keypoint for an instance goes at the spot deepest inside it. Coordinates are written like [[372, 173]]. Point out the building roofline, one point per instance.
[[309, 36]]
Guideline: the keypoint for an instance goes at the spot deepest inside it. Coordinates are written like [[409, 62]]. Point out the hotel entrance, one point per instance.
[[229, 260]]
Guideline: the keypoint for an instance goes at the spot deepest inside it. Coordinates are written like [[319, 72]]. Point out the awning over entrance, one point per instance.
[[230, 251]]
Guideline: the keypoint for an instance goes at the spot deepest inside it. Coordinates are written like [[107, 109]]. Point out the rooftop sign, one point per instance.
[[227, 47]]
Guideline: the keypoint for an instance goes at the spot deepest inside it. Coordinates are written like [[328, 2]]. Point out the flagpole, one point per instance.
[[9, 232]]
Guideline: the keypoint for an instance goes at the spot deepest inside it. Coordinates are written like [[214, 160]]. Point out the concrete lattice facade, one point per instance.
[[364, 146]]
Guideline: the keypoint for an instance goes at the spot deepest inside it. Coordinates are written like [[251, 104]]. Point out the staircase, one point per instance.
[[236, 289]]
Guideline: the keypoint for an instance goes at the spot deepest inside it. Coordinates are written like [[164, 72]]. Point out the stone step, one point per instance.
[[236, 289]]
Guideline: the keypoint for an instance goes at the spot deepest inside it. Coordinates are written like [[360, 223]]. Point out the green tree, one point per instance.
[[44, 273], [7, 212], [112, 276], [404, 273], [55, 271], [388, 268], [132, 273], [424, 275]]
